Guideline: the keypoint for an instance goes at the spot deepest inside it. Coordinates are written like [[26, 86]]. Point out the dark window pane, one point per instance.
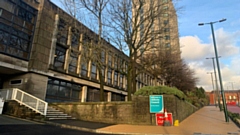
[[73, 62], [75, 38], [94, 71], [52, 89], [84, 69], [59, 57]]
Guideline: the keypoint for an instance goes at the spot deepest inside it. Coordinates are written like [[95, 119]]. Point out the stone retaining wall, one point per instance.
[[134, 112]]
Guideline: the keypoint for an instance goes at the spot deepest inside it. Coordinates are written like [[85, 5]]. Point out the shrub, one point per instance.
[[159, 90], [235, 118]]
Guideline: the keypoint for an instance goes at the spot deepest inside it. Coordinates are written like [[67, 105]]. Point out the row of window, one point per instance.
[[64, 91], [113, 76], [17, 21], [72, 58]]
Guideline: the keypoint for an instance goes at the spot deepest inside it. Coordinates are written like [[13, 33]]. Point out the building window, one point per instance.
[[93, 95], [103, 73], [16, 82], [167, 37], [117, 97], [16, 28], [62, 91], [94, 71], [84, 70], [75, 38], [59, 58], [121, 81], [73, 62], [109, 81], [167, 45], [165, 22], [165, 15], [62, 32], [115, 78], [116, 62], [103, 57], [139, 85], [120, 64], [165, 8], [126, 67], [166, 29], [110, 59]]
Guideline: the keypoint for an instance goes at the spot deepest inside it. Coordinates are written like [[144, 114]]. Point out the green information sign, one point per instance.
[[156, 104]]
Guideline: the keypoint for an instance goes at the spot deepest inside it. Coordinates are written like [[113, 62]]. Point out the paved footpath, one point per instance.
[[206, 121]]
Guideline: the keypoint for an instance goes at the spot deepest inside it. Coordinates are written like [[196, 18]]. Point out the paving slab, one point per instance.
[[208, 120]]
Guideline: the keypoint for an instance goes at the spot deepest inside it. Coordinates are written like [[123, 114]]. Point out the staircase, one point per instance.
[[30, 106], [54, 114]]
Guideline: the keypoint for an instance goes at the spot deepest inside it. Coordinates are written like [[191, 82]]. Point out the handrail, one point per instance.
[[25, 98]]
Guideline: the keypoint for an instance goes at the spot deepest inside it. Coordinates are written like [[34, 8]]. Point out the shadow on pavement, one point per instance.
[[80, 123]]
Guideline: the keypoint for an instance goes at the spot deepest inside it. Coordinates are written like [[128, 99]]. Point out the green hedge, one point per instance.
[[160, 90], [235, 118]]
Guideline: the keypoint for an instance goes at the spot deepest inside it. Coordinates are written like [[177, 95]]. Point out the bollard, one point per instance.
[[176, 123]]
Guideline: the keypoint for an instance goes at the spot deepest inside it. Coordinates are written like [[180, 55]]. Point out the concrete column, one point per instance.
[[126, 99], [84, 94], [79, 56], [54, 40], [109, 99], [67, 57]]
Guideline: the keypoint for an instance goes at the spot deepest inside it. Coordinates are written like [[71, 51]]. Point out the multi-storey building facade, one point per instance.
[[232, 97], [164, 27], [41, 52]]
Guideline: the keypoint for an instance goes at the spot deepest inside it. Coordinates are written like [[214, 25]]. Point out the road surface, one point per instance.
[[14, 126]]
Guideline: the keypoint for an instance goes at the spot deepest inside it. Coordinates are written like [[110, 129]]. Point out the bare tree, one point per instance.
[[95, 8], [135, 28], [174, 71]]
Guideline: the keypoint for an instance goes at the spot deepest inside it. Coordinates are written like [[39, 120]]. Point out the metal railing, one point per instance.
[[24, 98]]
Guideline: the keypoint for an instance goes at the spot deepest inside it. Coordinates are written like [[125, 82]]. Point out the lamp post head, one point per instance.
[[222, 20], [200, 24]]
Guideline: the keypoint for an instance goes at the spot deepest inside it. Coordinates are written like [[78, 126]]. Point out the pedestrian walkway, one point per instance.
[[206, 121]]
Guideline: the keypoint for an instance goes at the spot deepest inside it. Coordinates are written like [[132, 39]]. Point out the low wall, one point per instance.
[[134, 112], [13, 108]]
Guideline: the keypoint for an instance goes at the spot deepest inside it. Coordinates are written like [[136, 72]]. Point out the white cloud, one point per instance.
[[194, 52], [193, 49], [226, 43]]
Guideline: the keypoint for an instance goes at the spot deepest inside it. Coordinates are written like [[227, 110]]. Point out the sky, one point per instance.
[[197, 44]]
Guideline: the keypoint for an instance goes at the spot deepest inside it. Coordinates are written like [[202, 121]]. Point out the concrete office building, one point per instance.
[[41, 49], [164, 27]]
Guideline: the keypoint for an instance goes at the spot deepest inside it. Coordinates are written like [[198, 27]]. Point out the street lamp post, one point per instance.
[[218, 67], [232, 85], [213, 87], [216, 83]]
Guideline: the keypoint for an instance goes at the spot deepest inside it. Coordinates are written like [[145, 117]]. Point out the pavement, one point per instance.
[[209, 120], [206, 121]]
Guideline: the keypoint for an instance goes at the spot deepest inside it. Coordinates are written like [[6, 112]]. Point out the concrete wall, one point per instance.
[[135, 112], [32, 83]]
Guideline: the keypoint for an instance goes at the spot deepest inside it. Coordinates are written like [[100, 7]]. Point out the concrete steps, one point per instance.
[[55, 114]]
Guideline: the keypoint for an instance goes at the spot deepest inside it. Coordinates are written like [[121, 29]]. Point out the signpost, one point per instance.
[[156, 104]]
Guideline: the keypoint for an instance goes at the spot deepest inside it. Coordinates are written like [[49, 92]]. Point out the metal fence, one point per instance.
[[24, 98]]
